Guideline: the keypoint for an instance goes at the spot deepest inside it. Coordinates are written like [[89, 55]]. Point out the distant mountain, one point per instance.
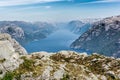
[[103, 37], [14, 30], [90, 20], [78, 27], [26, 31]]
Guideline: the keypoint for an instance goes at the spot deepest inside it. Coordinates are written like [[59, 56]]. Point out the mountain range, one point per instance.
[[26, 31], [29, 31], [103, 37]]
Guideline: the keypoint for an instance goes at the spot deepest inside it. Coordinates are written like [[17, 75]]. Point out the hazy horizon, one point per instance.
[[57, 10]]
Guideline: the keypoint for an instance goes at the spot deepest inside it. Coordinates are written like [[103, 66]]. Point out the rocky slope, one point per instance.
[[78, 27], [10, 46], [15, 31], [63, 65], [103, 37], [9, 53]]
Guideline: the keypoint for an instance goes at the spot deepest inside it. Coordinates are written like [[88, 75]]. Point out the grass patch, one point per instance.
[[8, 76], [28, 66], [65, 77]]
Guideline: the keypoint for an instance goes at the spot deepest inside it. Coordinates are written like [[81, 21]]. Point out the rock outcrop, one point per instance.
[[10, 51], [103, 37], [10, 46], [65, 65]]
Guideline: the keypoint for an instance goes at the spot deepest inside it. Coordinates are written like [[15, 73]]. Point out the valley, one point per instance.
[[99, 36], [43, 36], [59, 40]]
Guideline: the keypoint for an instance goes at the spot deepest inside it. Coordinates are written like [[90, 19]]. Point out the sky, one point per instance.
[[57, 10]]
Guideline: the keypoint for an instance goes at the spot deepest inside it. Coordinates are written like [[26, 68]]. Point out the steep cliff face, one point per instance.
[[10, 50], [10, 46], [78, 27], [103, 37], [15, 31], [65, 65]]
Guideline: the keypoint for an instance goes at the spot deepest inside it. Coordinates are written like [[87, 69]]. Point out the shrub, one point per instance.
[[2, 60], [8, 76], [66, 77], [28, 64]]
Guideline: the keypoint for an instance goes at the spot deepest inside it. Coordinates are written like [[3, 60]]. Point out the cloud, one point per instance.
[[23, 2], [103, 1], [48, 7]]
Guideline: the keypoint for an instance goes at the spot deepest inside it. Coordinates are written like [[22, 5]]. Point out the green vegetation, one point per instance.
[[8, 76], [28, 66], [66, 77], [23, 57], [56, 57], [75, 67], [2, 60], [61, 58], [1, 71]]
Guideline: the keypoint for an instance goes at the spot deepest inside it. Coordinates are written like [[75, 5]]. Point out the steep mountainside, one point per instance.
[[9, 46], [103, 37], [9, 54], [78, 27], [15, 31], [26, 31]]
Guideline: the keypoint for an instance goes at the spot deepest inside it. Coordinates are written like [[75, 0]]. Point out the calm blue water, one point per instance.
[[57, 41]]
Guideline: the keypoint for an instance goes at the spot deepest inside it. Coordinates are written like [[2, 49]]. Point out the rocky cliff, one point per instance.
[[103, 37], [9, 54], [15, 31], [9, 46], [78, 27]]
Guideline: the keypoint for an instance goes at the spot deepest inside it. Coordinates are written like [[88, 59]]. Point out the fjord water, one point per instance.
[[57, 41]]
